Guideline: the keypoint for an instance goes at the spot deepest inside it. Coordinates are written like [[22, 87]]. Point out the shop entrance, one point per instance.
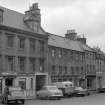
[[9, 81], [41, 80]]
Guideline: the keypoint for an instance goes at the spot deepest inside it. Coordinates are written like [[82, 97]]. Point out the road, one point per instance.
[[94, 99]]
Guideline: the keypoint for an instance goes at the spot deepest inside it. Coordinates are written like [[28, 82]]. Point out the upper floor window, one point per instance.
[[60, 53], [10, 41], [65, 53], [53, 52], [60, 70], [32, 45], [21, 62], [1, 16], [41, 64], [65, 70], [41, 45], [21, 42], [32, 64], [72, 70], [10, 62], [53, 69]]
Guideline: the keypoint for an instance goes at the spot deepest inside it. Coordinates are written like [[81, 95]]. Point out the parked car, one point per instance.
[[15, 94], [79, 91], [67, 87], [102, 89], [49, 92]]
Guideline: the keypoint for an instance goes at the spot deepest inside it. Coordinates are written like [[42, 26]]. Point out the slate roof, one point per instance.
[[62, 42], [14, 19]]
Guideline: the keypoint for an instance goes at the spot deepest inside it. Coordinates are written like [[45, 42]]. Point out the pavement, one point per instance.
[[93, 99]]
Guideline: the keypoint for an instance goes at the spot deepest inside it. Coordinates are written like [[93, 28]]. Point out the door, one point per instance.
[[40, 81]]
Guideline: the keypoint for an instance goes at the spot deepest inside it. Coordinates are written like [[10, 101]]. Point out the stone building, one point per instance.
[[70, 58], [23, 47], [100, 68]]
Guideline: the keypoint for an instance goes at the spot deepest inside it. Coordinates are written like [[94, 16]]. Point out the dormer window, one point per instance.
[[1, 16]]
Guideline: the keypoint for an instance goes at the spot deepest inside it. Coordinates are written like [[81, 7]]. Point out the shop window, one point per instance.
[[22, 83]]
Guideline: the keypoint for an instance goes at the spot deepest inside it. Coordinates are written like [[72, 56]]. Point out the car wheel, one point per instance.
[[58, 98], [83, 95], [22, 101], [88, 94]]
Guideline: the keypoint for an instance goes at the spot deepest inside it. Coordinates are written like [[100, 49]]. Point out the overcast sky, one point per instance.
[[85, 16]]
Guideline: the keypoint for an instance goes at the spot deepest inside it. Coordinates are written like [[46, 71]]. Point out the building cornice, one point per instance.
[[8, 28]]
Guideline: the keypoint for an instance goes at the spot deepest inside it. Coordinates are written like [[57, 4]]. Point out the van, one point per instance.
[[67, 87]]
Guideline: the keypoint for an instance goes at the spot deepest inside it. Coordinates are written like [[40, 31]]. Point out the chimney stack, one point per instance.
[[32, 17], [71, 34]]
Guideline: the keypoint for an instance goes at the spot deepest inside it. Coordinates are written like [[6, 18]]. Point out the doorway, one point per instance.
[[8, 81], [41, 80]]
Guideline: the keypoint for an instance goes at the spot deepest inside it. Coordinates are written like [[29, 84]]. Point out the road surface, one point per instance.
[[94, 99]]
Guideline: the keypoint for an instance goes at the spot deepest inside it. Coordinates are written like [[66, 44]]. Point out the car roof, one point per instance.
[[50, 86]]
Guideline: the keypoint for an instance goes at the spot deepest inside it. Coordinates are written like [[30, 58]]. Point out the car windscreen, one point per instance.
[[52, 88]]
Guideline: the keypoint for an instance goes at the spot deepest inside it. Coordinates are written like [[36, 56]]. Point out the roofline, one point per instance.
[[2, 8], [8, 28], [66, 48], [55, 35]]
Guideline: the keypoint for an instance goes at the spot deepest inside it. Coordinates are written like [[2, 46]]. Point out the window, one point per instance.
[[1, 16], [21, 42], [72, 70], [41, 46], [34, 26], [53, 69], [60, 70], [60, 53], [10, 41], [53, 52], [0, 86], [32, 64], [77, 70], [22, 83], [65, 53], [82, 70], [21, 61], [41, 61], [65, 70], [31, 83], [10, 62], [32, 45]]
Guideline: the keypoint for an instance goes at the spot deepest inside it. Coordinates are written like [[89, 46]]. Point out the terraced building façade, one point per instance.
[[70, 58]]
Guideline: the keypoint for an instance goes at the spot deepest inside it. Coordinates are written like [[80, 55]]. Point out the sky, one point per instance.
[[85, 16]]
